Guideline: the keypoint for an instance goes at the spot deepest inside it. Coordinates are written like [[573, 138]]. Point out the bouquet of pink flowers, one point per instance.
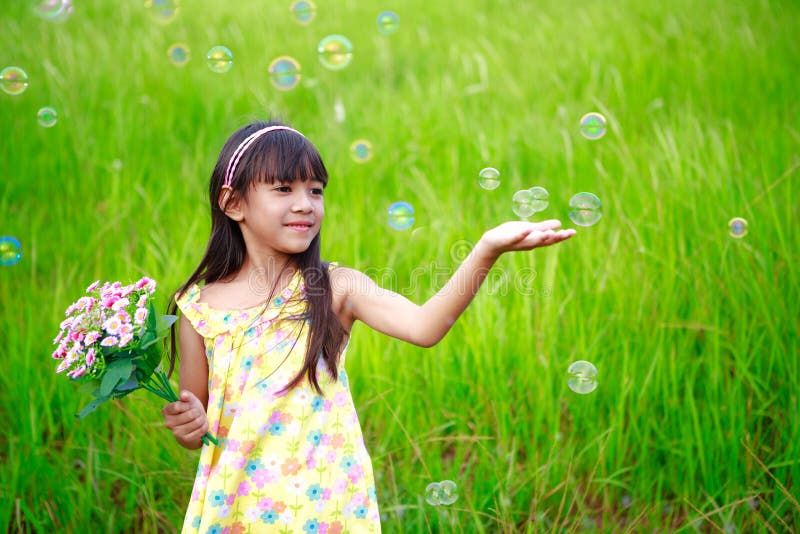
[[109, 342]]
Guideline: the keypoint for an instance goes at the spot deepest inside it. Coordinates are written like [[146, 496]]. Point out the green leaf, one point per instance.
[[92, 406], [152, 316], [118, 371]]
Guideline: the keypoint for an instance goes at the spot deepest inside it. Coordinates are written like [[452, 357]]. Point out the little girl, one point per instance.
[[263, 370]]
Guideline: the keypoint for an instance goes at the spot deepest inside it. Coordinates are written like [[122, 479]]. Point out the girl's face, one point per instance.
[[282, 218]]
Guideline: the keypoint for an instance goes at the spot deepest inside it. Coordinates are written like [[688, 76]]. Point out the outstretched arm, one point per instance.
[[396, 316]]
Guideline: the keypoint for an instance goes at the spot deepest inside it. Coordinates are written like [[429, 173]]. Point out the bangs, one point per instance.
[[282, 156]]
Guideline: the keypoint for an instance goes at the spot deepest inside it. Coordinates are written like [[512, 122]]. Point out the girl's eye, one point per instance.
[[284, 189], [317, 191]]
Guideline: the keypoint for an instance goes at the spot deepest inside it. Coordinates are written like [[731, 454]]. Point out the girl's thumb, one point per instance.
[[185, 395]]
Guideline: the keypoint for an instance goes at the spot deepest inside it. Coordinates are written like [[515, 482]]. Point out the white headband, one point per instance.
[[244, 145]]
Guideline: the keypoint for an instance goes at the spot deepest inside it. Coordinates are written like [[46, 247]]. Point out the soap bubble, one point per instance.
[[335, 52], [284, 73], [54, 10], [303, 11], [220, 59], [523, 203], [361, 151], [593, 126], [448, 492], [162, 11], [738, 227], [401, 215], [432, 494], [489, 178], [540, 198], [388, 23], [584, 209], [582, 377], [13, 80], [444, 492], [10, 250], [179, 54], [47, 117]]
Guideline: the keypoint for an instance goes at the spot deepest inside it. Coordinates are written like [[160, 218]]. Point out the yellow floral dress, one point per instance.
[[287, 462]]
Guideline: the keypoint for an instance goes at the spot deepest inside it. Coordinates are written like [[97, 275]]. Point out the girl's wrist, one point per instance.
[[484, 253]]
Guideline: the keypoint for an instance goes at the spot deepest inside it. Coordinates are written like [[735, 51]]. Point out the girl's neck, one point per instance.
[[263, 274]]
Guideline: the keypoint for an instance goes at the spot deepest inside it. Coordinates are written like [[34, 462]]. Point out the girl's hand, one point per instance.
[[187, 420], [522, 235]]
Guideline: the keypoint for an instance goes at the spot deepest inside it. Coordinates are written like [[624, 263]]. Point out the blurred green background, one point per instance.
[[694, 425]]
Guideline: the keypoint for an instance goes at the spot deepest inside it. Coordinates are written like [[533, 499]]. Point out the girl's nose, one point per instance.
[[302, 204]]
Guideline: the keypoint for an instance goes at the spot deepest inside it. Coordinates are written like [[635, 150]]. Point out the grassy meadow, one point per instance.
[[695, 425]]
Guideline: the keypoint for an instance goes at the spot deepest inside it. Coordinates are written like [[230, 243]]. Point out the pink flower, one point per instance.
[[85, 303], [355, 474], [110, 341], [59, 353], [140, 316], [66, 323], [58, 337], [340, 486], [244, 489], [266, 503], [91, 337], [142, 302], [90, 357], [326, 494], [108, 301], [112, 325], [125, 339], [125, 329], [93, 286], [119, 304], [146, 283], [77, 372], [63, 366]]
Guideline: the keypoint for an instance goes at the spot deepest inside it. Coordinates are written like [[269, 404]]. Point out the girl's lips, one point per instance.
[[300, 227]]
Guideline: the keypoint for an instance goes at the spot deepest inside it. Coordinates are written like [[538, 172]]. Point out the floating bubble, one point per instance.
[[47, 117], [303, 11], [284, 73], [523, 203], [220, 59], [448, 492], [388, 23], [737, 227], [361, 151], [540, 198], [582, 377], [401, 215], [593, 126], [335, 52], [13, 80], [489, 178], [179, 54], [584, 209], [432, 491], [162, 11], [10, 250], [54, 10]]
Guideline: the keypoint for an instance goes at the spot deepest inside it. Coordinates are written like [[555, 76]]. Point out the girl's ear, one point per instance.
[[230, 203]]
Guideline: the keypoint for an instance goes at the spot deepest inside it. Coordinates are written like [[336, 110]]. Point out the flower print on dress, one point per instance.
[[270, 431]]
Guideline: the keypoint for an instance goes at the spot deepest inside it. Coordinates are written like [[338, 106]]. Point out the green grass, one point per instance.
[[695, 424]]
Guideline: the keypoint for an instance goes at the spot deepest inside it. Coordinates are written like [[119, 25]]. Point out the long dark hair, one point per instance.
[[278, 156]]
